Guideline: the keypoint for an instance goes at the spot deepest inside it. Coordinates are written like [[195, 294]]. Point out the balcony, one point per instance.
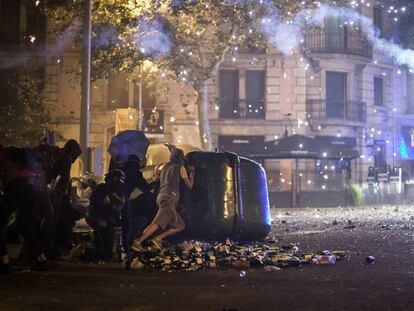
[[338, 42], [339, 112]]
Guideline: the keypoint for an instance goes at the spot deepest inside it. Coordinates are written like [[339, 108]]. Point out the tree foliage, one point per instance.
[[187, 39], [24, 118]]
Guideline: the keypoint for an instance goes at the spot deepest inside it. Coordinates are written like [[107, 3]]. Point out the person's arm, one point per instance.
[[188, 178]]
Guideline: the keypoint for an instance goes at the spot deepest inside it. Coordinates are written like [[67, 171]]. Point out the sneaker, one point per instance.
[[157, 244], [40, 266], [6, 268], [136, 247]]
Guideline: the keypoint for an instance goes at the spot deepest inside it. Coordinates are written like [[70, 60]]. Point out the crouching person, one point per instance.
[[167, 200], [108, 209]]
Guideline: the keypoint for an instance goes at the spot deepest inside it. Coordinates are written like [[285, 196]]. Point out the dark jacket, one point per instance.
[[134, 178]]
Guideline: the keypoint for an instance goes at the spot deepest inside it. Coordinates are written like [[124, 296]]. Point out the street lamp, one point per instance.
[[85, 86]]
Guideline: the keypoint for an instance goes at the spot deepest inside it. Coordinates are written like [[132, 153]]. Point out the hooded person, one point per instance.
[[167, 218]]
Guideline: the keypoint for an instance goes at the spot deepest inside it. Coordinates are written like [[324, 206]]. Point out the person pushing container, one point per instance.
[[167, 200]]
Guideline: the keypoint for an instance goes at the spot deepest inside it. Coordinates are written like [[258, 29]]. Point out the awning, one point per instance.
[[303, 147]]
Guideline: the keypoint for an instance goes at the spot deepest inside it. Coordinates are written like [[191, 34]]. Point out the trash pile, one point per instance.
[[196, 255]]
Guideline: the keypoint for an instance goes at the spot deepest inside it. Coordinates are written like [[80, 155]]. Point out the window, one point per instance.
[[36, 26], [229, 93], [255, 94], [336, 89], [378, 21], [9, 24], [335, 34], [378, 92], [118, 89], [410, 93]]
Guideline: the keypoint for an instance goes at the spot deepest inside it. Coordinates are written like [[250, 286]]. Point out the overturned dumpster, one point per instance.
[[229, 198], [255, 224]]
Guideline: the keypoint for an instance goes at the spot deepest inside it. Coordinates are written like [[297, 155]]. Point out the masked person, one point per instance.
[[167, 200], [24, 194], [56, 165], [109, 209]]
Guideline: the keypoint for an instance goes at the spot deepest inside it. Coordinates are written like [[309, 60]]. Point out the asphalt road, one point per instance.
[[351, 284]]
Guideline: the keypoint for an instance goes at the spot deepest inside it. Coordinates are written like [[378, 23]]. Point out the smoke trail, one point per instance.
[[55, 50], [105, 35], [289, 35], [400, 55], [67, 37], [285, 35], [152, 37]]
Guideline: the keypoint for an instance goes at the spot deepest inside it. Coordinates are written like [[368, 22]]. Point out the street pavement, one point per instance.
[[385, 232]]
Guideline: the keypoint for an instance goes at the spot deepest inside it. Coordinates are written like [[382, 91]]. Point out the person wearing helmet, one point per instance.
[[167, 200], [108, 209]]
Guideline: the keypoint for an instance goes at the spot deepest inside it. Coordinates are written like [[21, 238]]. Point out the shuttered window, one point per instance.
[[255, 94], [378, 92], [229, 93], [9, 24], [336, 89]]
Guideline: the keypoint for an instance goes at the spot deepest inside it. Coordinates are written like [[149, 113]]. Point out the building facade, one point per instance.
[[339, 87]]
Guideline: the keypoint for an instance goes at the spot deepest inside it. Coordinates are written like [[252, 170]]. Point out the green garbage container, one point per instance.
[[255, 224], [212, 206]]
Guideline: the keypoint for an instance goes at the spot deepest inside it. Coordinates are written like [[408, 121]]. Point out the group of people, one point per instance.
[[124, 200], [36, 187]]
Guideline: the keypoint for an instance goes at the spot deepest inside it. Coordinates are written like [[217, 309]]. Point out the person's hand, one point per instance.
[[190, 170]]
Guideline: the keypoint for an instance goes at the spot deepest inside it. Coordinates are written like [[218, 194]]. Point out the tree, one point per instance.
[[187, 38], [24, 113]]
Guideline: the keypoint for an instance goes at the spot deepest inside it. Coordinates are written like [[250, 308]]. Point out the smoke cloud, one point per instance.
[[152, 38], [289, 35]]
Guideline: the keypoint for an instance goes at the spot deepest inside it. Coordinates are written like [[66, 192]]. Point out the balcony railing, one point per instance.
[[338, 42], [321, 110]]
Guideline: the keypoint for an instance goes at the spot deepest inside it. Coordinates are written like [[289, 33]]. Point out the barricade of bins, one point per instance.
[[229, 198]]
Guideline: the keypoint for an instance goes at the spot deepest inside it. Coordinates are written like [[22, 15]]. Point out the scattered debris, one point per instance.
[[370, 259], [196, 255]]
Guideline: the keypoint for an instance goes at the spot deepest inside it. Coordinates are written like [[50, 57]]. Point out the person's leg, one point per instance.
[[126, 238], [161, 220], [148, 231], [103, 240], [32, 219], [62, 223], [7, 208], [5, 266], [167, 233], [177, 226], [108, 243]]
